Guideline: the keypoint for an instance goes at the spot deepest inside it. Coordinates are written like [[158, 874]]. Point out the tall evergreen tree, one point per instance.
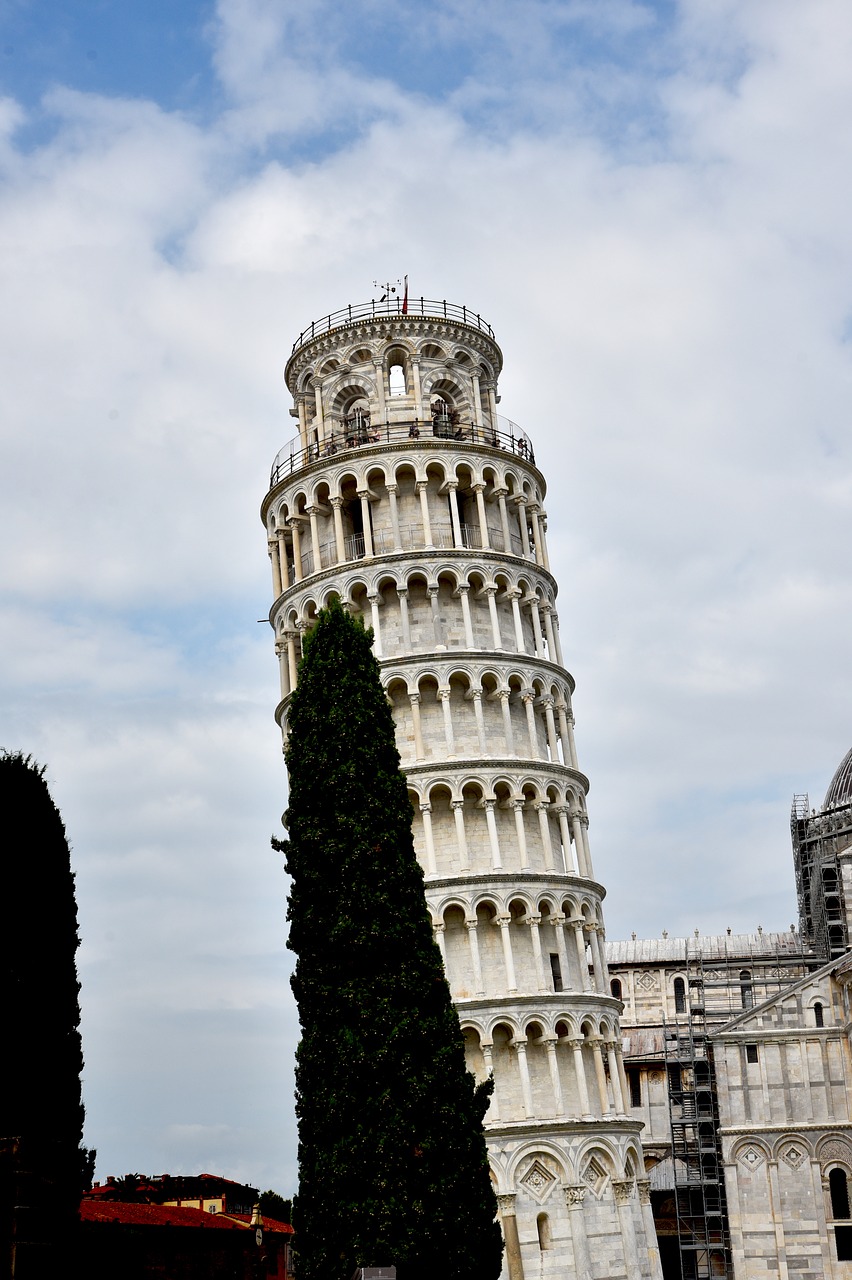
[[42, 1165], [393, 1167]]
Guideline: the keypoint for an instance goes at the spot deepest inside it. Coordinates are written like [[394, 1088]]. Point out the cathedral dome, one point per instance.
[[840, 787]]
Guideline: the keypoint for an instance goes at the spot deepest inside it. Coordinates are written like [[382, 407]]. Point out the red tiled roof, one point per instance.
[[168, 1215]]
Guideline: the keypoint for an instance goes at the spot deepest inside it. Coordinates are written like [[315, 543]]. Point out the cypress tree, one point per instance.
[[393, 1167], [42, 1165]]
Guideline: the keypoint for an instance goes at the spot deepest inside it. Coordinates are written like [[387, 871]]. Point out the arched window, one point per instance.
[[819, 1020], [746, 989], [542, 1223], [396, 378], [679, 995], [839, 1190], [615, 988]]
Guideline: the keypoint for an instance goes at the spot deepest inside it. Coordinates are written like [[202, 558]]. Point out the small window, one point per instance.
[[556, 971], [843, 1241], [839, 1189], [819, 1020], [746, 989], [680, 995], [615, 988], [751, 1053], [634, 1080], [542, 1223]]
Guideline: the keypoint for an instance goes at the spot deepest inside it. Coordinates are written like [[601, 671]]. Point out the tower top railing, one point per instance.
[[348, 434], [395, 306]]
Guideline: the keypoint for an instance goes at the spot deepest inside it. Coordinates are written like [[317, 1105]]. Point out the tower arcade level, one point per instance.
[[410, 498]]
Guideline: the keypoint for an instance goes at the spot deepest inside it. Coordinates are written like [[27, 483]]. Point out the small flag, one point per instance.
[[405, 299]]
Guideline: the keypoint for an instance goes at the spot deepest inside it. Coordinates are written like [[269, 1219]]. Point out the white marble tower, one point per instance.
[[409, 497]]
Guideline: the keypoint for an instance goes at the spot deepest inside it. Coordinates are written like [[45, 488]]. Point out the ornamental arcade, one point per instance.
[[408, 497]]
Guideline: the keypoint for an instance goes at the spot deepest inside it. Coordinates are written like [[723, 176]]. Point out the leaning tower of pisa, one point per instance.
[[409, 497]]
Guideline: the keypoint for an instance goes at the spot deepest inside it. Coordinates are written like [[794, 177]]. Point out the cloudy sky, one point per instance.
[[650, 202]]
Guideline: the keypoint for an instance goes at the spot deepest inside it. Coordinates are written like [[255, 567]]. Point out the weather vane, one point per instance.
[[392, 287], [388, 289]]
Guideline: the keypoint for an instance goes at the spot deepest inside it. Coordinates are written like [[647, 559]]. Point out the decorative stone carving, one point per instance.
[[538, 1181], [793, 1156], [595, 1176], [648, 981], [835, 1149], [574, 1195], [751, 1157], [623, 1188]]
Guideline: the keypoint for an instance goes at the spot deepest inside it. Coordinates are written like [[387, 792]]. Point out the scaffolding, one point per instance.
[[719, 987], [699, 1185], [818, 838]]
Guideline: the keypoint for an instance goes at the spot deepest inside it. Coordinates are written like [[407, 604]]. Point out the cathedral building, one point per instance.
[[738, 1060], [406, 495]]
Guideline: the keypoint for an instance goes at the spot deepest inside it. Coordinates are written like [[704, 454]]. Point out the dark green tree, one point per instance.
[[42, 1164], [393, 1167], [274, 1206]]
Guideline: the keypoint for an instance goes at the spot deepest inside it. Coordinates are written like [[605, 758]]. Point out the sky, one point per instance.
[[650, 204]]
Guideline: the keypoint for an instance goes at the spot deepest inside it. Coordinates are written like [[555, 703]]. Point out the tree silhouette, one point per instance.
[[42, 1165], [393, 1167]]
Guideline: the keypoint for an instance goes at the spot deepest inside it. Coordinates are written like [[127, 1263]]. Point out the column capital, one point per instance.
[[546, 606], [576, 1042], [574, 1194], [518, 803], [540, 805], [462, 589], [364, 494], [487, 803], [479, 487], [472, 695], [562, 808], [456, 804], [471, 924], [514, 593], [643, 1186], [425, 807], [402, 592], [503, 921], [432, 591], [500, 492], [451, 484], [528, 695], [337, 501], [520, 499], [506, 1205], [534, 921], [375, 598], [439, 927], [547, 701], [421, 486], [444, 692], [290, 633], [623, 1189], [393, 487], [280, 646], [414, 697]]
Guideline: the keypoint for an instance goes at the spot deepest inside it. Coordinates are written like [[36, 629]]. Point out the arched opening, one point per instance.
[[679, 987], [838, 1187], [542, 1223], [819, 1019], [746, 989], [615, 988]]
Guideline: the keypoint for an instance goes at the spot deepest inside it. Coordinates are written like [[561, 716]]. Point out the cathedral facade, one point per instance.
[[408, 497]]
